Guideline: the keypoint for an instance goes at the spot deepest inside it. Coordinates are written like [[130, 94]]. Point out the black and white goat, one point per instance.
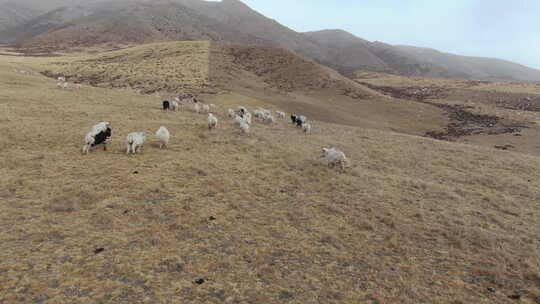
[[97, 136]]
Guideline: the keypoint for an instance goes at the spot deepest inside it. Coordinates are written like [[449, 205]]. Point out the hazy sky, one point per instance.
[[506, 29]]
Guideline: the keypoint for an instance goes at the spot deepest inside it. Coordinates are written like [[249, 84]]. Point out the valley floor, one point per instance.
[[221, 217]]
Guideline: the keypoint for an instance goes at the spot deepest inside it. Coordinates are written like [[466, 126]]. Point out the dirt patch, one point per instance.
[[462, 121], [411, 93]]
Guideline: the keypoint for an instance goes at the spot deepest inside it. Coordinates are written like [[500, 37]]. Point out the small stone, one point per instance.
[[99, 250], [491, 289], [285, 295], [135, 172], [212, 218], [515, 296], [199, 281]]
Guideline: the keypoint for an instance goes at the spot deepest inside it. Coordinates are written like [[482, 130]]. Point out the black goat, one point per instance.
[[294, 118], [166, 105]]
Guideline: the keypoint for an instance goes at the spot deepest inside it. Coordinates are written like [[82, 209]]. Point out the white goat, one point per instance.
[[135, 142], [238, 120], [307, 128], [267, 118], [244, 127], [212, 121], [205, 108], [280, 114], [258, 113], [231, 113], [334, 157], [197, 108], [174, 105], [247, 117], [163, 136]]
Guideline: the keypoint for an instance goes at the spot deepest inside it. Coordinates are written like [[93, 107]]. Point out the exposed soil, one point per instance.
[[462, 122]]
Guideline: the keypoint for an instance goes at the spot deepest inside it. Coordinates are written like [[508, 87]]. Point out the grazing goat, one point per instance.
[[334, 157], [197, 108], [241, 110], [280, 114], [166, 105], [205, 108], [163, 136], [247, 117], [98, 135], [300, 121], [267, 118], [307, 128], [62, 79], [294, 118], [244, 127], [135, 142], [212, 121], [231, 113], [238, 120], [174, 105], [258, 113]]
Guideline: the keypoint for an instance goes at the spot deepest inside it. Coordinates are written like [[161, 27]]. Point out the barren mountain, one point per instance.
[[346, 52], [141, 21], [13, 14], [477, 67], [123, 23]]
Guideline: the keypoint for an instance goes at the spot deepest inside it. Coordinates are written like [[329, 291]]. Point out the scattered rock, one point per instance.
[[515, 296], [505, 147], [285, 295], [199, 281], [99, 250], [135, 172], [491, 289], [212, 218]]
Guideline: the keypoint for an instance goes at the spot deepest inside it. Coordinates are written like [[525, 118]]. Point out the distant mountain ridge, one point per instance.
[[70, 23], [13, 14]]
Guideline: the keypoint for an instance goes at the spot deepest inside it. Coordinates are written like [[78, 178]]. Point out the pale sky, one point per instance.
[[505, 29]]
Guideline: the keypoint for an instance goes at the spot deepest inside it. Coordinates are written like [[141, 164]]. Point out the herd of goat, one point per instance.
[[99, 134]]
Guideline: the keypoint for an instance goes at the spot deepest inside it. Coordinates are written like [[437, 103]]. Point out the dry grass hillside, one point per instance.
[[277, 76], [163, 67], [220, 217], [495, 114]]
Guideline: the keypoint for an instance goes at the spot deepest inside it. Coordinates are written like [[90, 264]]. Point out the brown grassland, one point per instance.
[[258, 217]]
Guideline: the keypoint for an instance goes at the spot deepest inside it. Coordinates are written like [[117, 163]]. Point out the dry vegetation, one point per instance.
[[259, 218], [514, 106], [278, 77], [169, 67], [397, 80]]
